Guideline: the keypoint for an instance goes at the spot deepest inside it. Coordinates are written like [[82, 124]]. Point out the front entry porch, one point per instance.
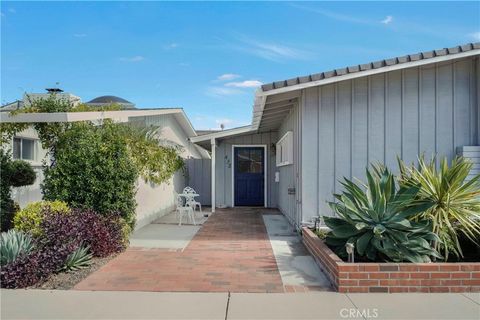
[[232, 252]]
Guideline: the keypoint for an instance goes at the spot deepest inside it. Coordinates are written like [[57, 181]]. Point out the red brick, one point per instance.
[[470, 267], [420, 275], [427, 283], [449, 267], [347, 282], [358, 275], [347, 268], [368, 283], [462, 275], [427, 267], [440, 275], [398, 289], [378, 275], [409, 282], [458, 289], [439, 289], [418, 289], [451, 282], [399, 275], [475, 275], [471, 282], [407, 267]]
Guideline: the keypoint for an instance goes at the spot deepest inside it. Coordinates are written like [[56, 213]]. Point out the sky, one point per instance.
[[209, 57]]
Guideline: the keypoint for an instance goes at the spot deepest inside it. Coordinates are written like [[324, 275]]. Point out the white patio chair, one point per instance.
[[190, 200], [184, 210]]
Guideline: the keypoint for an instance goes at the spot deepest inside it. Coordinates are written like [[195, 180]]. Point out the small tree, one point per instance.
[[15, 173], [93, 170]]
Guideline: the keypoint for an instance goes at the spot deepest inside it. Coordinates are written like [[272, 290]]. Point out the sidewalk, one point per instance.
[[43, 304]]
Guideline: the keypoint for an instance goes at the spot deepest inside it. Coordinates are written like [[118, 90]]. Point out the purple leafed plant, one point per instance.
[[61, 235]]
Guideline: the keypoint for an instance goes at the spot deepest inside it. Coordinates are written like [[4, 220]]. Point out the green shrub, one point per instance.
[[456, 203], [78, 259], [14, 244], [92, 169], [376, 221], [13, 174], [31, 217]]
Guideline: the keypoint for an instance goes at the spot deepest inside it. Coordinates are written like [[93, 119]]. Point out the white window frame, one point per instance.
[[284, 146], [265, 163], [34, 151]]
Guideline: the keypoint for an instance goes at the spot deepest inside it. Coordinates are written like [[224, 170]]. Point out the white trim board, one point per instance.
[[265, 170]]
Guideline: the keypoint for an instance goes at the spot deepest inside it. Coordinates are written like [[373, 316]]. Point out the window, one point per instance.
[[285, 150], [23, 149]]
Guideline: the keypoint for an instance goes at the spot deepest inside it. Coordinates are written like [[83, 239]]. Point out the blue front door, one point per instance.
[[249, 176]]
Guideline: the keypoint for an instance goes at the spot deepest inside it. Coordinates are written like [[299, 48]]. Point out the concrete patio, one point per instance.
[[43, 304], [231, 252]]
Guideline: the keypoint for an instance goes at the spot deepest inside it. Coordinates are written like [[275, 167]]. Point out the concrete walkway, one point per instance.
[[298, 269], [43, 304]]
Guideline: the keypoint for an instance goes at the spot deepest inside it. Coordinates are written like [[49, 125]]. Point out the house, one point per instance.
[[309, 132], [172, 125]]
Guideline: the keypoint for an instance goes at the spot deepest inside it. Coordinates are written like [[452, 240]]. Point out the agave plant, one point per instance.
[[456, 202], [14, 244], [79, 259], [375, 219]]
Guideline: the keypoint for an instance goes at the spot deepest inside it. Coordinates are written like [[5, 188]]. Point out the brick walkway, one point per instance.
[[231, 252]]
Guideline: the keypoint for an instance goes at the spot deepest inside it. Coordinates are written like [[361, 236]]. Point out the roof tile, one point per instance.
[[341, 72], [454, 50], [415, 57], [353, 69], [441, 52], [365, 66], [317, 76], [304, 79], [291, 82], [378, 64], [368, 66], [280, 84]]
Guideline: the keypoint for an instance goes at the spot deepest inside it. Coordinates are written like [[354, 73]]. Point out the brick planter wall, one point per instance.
[[392, 277]]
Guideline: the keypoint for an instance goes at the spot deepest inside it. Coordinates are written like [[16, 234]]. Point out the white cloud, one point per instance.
[[244, 84], [80, 35], [387, 20], [228, 76], [132, 59], [222, 91], [475, 36], [169, 46], [268, 50], [333, 15]]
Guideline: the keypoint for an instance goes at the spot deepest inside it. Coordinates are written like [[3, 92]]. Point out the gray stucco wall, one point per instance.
[[223, 167], [349, 124]]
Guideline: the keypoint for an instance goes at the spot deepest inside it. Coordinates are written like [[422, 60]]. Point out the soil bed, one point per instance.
[[67, 280]]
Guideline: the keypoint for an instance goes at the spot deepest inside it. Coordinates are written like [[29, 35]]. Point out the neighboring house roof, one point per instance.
[[275, 100], [106, 100], [18, 104], [120, 116]]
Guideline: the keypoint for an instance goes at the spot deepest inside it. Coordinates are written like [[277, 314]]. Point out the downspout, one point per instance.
[[214, 145]]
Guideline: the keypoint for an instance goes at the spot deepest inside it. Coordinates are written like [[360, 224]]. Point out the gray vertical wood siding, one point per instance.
[[286, 202], [224, 163], [198, 176], [349, 124]]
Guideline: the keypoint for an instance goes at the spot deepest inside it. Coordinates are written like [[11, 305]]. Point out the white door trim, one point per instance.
[[265, 169]]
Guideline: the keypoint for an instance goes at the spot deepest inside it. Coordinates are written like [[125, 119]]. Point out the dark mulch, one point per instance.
[[67, 280]]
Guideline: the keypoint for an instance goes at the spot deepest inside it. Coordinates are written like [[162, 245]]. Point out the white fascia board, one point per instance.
[[222, 134], [260, 95], [81, 116]]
